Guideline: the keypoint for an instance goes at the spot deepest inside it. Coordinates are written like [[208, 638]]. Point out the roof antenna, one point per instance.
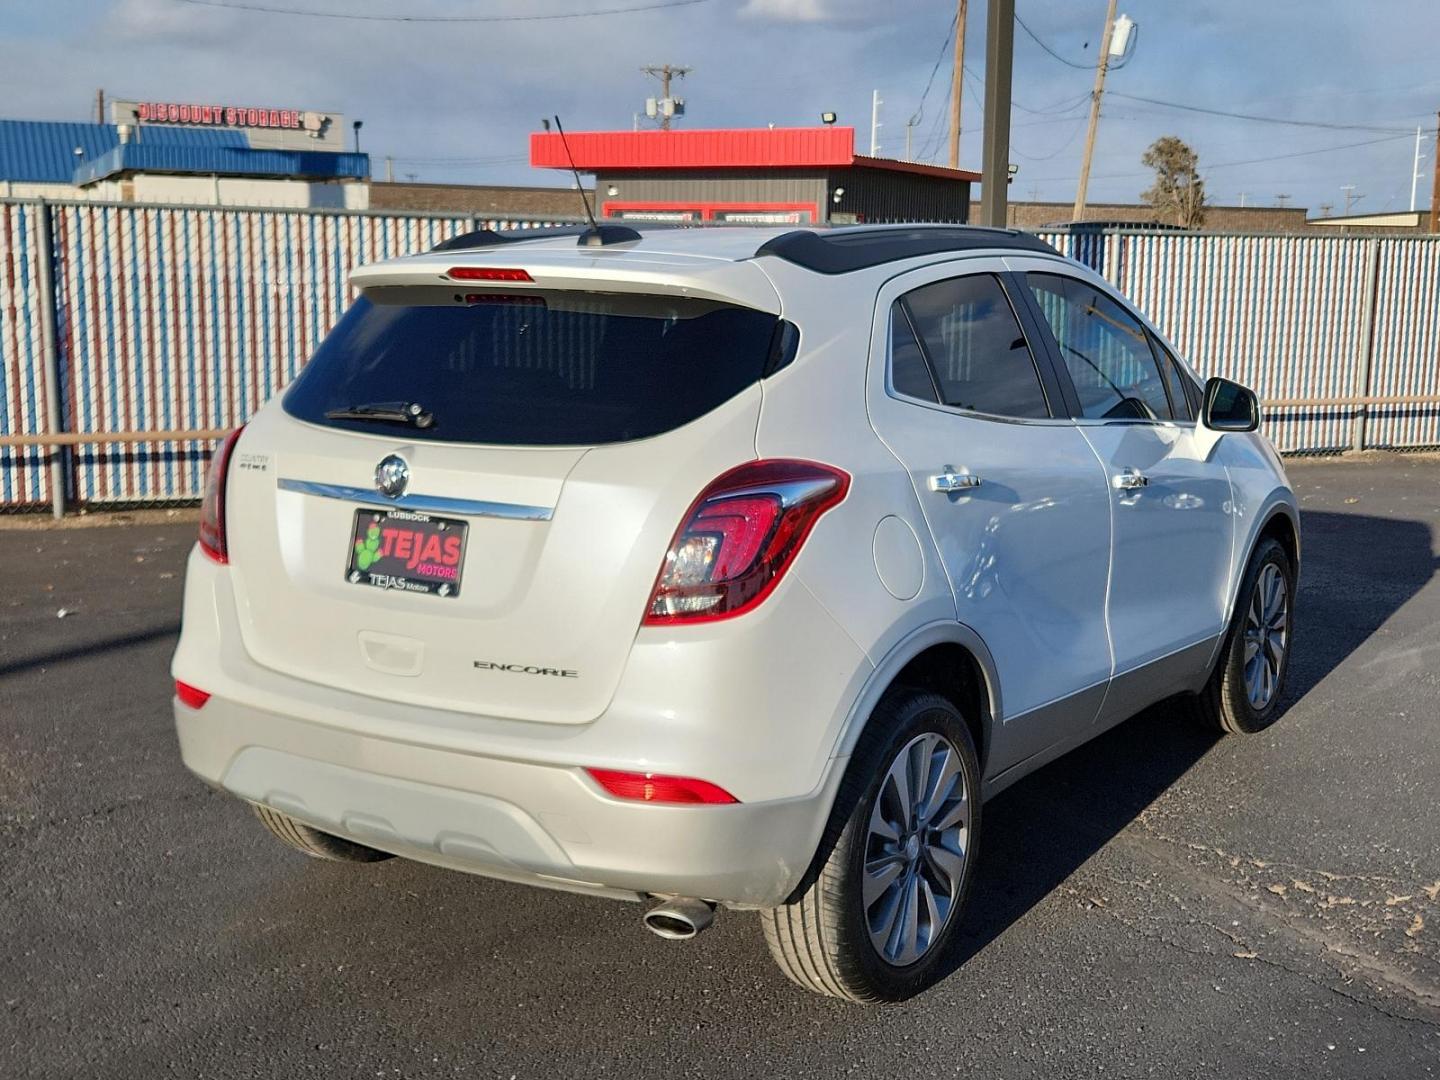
[[596, 235]]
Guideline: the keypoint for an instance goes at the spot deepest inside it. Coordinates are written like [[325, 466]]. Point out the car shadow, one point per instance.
[[1040, 831]]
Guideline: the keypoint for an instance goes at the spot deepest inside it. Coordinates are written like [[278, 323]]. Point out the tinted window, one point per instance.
[[545, 370], [1175, 380], [1105, 350], [909, 372], [976, 347]]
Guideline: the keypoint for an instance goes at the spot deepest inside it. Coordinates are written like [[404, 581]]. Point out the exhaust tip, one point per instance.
[[679, 920]]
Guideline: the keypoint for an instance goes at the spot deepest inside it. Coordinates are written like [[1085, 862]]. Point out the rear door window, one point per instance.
[[975, 347], [909, 373], [548, 369]]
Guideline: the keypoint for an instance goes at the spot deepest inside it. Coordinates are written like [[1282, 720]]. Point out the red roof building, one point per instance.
[[753, 176]]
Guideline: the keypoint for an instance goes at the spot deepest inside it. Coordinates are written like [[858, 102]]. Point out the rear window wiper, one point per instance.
[[411, 413]]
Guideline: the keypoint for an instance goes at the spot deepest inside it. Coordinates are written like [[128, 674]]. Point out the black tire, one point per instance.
[[313, 842], [821, 939], [1224, 702]]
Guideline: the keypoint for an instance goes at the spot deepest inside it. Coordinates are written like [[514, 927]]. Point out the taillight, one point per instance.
[[212, 507], [739, 537], [190, 696], [647, 787]]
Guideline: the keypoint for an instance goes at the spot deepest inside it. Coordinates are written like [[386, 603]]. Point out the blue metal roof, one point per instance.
[[223, 160], [42, 151]]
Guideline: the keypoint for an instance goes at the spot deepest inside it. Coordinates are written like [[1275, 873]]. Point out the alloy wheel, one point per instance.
[[916, 849], [1267, 633]]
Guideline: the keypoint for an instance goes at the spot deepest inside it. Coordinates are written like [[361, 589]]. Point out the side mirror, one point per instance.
[[1230, 407]]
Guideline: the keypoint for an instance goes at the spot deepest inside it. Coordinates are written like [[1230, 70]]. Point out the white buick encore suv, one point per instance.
[[724, 567]]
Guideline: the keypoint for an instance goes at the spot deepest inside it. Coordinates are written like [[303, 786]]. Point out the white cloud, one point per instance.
[[786, 10]]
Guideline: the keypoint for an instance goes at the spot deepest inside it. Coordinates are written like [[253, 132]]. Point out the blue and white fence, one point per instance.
[[186, 319]]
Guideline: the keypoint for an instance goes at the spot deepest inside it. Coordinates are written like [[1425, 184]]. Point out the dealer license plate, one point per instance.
[[399, 549]]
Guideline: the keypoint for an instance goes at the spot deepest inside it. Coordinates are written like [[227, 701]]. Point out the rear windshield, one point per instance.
[[552, 369]]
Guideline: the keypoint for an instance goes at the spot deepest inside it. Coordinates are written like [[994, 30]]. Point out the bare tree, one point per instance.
[[1178, 194]]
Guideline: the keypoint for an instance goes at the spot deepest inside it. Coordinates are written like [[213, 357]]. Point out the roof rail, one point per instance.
[[839, 251]]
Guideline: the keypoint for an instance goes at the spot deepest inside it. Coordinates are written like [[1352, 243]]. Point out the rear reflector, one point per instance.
[[191, 696], [647, 787], [487, 273]]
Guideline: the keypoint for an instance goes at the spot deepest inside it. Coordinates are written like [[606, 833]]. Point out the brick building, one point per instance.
[[500, 200], [1257, 219]]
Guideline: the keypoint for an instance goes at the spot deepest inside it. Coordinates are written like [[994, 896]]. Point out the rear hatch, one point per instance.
[[537, 446]]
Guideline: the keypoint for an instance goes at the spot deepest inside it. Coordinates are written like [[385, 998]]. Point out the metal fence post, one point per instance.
[[50, 356], [1360, 420]]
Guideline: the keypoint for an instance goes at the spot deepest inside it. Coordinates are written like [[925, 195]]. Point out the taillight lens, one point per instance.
[[212, 507], [190, 696], [739, 537], [647, 787]]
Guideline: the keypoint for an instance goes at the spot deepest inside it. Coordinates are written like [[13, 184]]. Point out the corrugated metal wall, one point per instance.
[[23, 476], [1407, 343], [1290, 316], [702, 186], [881, 196], [183, 319], [189, 318]]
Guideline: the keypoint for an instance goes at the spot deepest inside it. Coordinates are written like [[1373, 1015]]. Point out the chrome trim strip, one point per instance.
[[425, 504]]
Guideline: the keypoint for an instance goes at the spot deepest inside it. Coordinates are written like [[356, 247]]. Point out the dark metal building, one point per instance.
[[755, 176]]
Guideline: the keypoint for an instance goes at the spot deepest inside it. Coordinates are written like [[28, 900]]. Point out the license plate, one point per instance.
[[398, 549]]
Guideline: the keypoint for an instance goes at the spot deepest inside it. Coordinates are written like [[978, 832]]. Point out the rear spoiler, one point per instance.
[[581, 269]]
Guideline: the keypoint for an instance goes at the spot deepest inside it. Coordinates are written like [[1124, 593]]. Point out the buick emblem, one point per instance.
[[391, 476]]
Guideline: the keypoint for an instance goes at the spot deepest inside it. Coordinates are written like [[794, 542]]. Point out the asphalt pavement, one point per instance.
[[1162, 902]]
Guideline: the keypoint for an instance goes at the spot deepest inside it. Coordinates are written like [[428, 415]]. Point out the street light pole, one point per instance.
[[1415, 172], [995, 148], [1102, 65]]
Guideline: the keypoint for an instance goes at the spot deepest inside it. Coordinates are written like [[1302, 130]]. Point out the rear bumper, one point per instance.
[[520, 821], [511, 799]]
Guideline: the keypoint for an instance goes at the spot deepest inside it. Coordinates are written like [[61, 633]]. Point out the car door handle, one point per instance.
[[1129, 480], [950, 481]]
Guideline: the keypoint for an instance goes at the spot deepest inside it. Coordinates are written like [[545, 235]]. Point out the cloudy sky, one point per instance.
[[453, 101]]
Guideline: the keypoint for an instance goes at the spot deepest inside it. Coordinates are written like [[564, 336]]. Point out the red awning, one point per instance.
[[752, 148]]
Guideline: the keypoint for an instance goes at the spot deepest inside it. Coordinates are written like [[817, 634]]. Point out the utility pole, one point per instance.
[[1281, 201], [1102, 65], [957, 83], [389, 169], [1435, 191], [665, 72], [995, 147], [1350, 197], [875, 104]]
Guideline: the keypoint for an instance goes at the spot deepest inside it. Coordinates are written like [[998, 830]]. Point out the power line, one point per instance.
[[931, 146], [1308, 153], [1258, 119], [1036, 38], [510, 159], [919, 112], [1252, 161], [264, 9], [1065, 145]]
